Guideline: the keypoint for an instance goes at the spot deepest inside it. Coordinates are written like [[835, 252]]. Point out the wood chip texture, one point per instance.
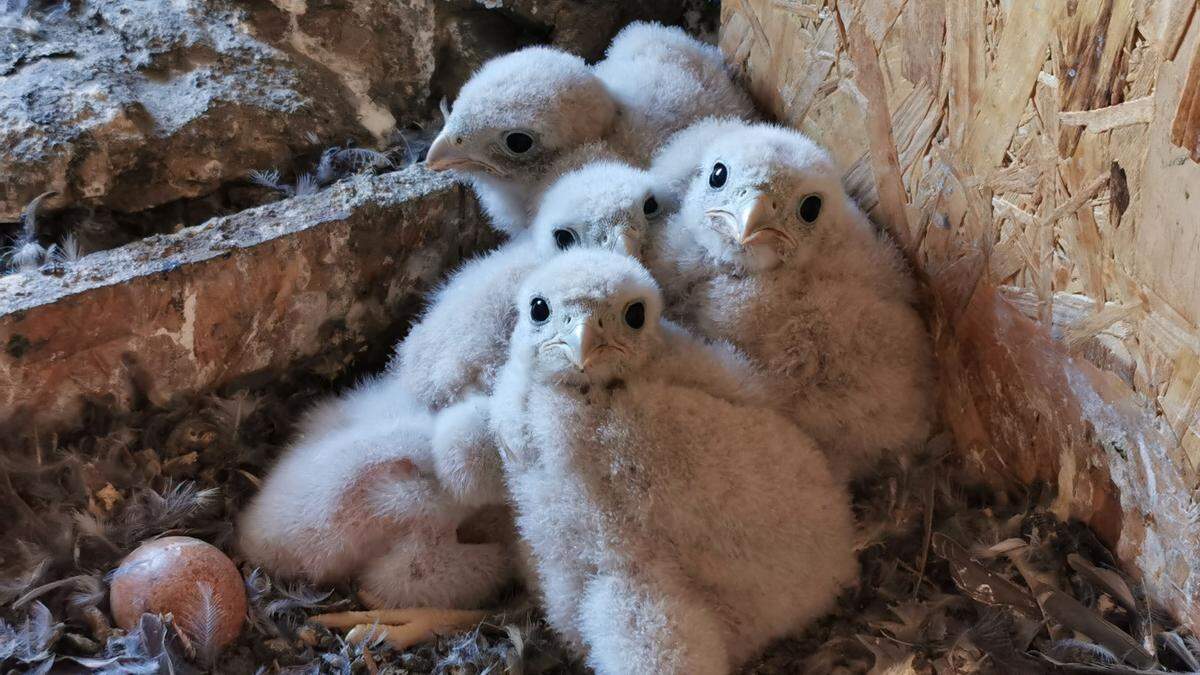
[[1037, 160]]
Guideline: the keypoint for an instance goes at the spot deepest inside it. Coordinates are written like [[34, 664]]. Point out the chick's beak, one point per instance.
[[756, 214], [583, 342], [443, 155]]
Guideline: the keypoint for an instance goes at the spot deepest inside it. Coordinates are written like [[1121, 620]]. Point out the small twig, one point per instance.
[[929, 497], [920, 580]]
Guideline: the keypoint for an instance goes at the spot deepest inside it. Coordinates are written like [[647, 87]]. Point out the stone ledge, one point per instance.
[[324, 274]]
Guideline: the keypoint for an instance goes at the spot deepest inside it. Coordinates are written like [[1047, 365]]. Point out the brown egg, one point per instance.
[[191, 579]]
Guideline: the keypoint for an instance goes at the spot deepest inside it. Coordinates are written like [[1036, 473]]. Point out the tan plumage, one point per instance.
[[674, 525], [779, 261]]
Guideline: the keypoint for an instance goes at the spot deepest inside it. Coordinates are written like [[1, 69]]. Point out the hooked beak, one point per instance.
[[443, 155], [584, 343], [755, 216], [751, 221]]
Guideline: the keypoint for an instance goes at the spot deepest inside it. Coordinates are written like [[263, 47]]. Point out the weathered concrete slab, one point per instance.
[[255, 292]]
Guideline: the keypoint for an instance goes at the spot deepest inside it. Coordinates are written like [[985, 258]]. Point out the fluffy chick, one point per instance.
[[404, 459], [663, 80], [357, 497], [527, 117], [675, 162], [606, 204], [767, 251], [672, 530], [515, 122], [450, 358], [462, 339]]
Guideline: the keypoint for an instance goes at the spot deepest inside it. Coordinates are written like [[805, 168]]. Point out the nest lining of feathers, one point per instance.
[[954, 579]]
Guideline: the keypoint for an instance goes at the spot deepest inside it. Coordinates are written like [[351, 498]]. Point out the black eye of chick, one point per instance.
[[539, 311], [650, 208], [565, 239], [635, 315], [810, 208], [719, 175], [518, 141]]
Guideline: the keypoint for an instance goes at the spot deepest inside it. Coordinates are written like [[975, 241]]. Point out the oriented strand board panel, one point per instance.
[[1037, 159]]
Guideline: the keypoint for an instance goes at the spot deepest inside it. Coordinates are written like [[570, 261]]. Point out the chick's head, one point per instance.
[[519, 113], [587, 317], [761, 197], [606, 205]]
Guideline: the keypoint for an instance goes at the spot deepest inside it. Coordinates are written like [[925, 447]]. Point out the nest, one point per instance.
[[954, 579]]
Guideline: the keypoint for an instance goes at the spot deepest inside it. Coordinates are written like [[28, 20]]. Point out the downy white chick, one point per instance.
[[462, 339], [514, 124], [606, 204], [409, 455], [675, 162], [357, 497], [672, 529], [663, 80], [450, 357], [769, 252], [526, 117]]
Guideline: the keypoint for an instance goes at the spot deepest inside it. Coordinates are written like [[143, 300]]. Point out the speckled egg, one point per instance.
[[191, 579]]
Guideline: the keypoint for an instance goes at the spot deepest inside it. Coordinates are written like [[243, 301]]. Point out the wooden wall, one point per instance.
[[1037, 159]]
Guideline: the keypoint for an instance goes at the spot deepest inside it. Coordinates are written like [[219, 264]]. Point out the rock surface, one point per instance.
[[127, 105], [378, 54], [312, 281]]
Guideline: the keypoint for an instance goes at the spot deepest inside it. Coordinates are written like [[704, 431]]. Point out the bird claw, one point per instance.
[[401, 628]]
